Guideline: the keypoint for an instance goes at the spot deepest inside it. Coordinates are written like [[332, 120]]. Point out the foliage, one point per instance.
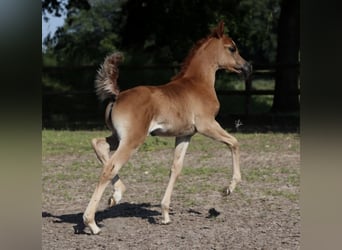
[[166, 30], [57, 8], [87, 35], [159, 32], [256, 30], [162, 27], [150, 32]]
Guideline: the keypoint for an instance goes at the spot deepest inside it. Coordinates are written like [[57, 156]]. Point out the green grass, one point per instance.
[[235, 104], [156, 143], [68, 156], [235, 83], [202, 171], [68, 142], [269, 142]]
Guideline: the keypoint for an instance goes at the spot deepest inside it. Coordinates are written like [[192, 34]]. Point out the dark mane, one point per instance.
[[191, 54]]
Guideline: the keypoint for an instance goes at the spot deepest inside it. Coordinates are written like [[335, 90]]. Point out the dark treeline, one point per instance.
[[152, 32]]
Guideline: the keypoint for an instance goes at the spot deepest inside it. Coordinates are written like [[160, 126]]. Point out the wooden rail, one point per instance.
[[248, 92]]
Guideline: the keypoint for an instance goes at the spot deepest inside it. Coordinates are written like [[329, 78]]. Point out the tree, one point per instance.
[[87, 35], [161, 32], [56, 7], [286, 85], [158, 27], [165, 30]]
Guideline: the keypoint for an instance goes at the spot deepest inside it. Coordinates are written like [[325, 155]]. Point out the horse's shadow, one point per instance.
[[142, 210]]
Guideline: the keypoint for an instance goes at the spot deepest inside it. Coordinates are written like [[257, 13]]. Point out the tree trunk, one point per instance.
[[286, 82]]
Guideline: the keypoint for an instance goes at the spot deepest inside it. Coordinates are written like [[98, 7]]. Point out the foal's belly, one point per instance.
[[167, 128]]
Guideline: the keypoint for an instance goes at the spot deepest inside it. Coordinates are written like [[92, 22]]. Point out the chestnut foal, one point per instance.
[[184, 106]]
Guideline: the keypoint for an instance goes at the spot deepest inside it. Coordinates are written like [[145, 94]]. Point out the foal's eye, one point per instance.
[[232, 49]]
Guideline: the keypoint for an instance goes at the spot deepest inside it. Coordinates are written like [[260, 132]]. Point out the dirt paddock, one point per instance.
[[263, 212]]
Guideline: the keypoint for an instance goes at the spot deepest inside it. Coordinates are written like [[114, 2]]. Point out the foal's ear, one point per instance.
[[219, 30]]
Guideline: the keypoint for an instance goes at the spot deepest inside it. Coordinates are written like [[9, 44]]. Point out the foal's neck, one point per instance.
[[202, 71], [203, 66]]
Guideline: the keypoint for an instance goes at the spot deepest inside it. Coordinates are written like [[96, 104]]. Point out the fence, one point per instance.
[[78, 106], [259, 71]]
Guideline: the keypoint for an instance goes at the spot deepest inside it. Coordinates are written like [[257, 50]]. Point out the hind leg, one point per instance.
[[110, 170], [118, 190], [103, 148]]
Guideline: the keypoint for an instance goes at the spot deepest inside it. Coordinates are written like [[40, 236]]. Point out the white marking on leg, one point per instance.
[[117, 196], [182, 144]]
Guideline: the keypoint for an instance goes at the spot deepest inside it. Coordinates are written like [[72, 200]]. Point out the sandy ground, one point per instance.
[[263, 213]]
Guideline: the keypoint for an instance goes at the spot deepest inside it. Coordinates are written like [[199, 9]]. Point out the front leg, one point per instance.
[[212, 129], [182, 144]]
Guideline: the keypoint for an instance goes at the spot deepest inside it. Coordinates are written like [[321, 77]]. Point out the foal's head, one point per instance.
[[228, 54]]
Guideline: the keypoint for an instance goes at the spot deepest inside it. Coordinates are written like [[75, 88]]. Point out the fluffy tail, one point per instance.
[[106, 81]]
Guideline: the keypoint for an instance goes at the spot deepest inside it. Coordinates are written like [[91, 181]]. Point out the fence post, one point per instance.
[[248, 88]]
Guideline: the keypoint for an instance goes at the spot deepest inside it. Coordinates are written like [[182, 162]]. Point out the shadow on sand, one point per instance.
[[142, 210]]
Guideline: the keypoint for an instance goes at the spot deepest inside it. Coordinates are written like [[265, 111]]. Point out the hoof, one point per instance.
[[95, 231], [115, 199], [164, 222], [92, 226], [226, 191], [111, 202]]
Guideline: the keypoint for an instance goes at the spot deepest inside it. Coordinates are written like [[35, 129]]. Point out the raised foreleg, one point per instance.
[[213, 130]]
